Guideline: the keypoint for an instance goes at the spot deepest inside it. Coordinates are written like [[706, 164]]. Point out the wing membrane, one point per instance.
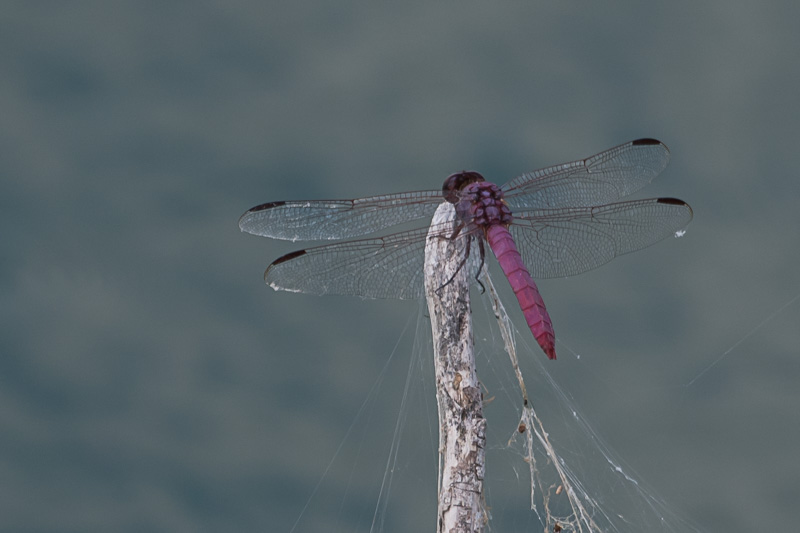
[[338, 219], [565, 242], [597, 180], [384, 267]]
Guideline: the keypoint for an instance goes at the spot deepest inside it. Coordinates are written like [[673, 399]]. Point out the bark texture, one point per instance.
[[462, 428]]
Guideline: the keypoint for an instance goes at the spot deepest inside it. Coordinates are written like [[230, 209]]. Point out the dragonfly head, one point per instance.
[[455, 182]]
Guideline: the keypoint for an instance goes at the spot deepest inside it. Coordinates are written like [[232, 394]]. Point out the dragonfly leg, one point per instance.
[[455, 233], [461, 263], [478, 272]]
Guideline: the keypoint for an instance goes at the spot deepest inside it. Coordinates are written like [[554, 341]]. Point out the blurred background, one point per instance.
[[150, 381]]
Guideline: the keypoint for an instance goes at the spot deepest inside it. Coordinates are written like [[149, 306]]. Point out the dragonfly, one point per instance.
[[558, 221]]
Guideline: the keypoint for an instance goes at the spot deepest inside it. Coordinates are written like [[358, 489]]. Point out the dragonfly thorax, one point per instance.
[[481, 203]]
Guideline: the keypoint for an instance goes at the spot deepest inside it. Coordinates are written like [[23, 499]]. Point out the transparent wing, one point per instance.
[[565, 242], [384, 267], [597, 180], [338, 219]]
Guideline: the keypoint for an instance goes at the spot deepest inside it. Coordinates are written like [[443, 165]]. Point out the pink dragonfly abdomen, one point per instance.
[[531, 302]]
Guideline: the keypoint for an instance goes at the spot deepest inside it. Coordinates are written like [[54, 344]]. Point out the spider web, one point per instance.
[[556, 475], [576, 484]]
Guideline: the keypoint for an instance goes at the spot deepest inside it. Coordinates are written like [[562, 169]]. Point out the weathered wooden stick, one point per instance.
[[462, 428]]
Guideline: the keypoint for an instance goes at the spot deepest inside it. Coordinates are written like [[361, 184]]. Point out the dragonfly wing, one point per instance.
[[599, 179], [565, 242], [338, 219], [384, 267]]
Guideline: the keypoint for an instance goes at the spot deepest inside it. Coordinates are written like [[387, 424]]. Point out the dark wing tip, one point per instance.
[[282, 259], [256, 209], [287, 257], [264, 207], [675, 201], [645, 142], [672, 201]]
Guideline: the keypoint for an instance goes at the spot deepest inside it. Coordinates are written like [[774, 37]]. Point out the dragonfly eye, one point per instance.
[[455, 182]]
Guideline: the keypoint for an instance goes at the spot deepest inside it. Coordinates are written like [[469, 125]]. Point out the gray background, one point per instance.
[[150, 381]]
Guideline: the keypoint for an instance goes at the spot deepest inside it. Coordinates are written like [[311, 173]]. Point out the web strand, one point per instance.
[[744, 338]]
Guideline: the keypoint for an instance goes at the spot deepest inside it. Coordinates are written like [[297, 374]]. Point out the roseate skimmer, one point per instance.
[[559, 216]]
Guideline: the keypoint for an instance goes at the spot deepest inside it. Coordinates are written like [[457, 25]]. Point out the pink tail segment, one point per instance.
[[521, 282]]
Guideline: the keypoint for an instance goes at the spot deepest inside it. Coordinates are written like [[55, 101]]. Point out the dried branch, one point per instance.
[[462, 428]]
